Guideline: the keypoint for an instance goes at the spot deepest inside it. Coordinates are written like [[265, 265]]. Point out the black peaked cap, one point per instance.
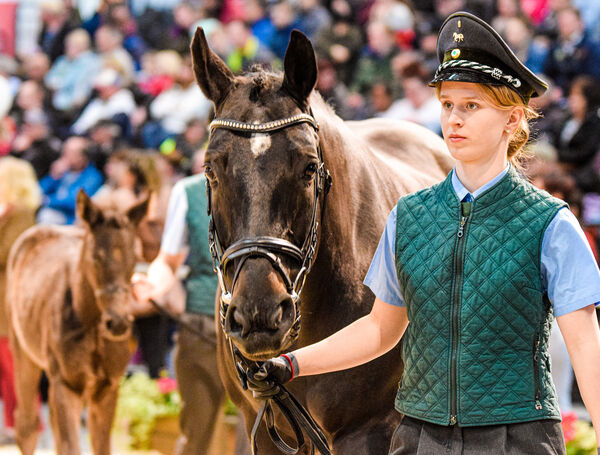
[[470, 50]]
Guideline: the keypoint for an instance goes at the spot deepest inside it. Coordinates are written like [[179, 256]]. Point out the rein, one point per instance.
[[271, 248]]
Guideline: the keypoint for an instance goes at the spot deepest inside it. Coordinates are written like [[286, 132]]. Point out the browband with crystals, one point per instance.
[[496, 73], [263, 127]]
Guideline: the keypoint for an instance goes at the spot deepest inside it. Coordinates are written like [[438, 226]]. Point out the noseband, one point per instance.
[[270, 248]]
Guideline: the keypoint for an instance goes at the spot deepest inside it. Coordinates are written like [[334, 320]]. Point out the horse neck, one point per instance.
[[84, 298]]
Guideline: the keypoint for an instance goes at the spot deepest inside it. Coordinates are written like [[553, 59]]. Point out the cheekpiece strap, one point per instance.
[[275, 125], [496, 73]]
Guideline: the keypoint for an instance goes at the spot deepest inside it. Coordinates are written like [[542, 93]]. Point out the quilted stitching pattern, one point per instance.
[[500, 313]]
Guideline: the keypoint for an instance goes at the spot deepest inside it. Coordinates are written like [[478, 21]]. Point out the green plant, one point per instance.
[[142, 400]]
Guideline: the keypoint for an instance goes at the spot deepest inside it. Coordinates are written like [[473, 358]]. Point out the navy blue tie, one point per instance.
[[468, 198]]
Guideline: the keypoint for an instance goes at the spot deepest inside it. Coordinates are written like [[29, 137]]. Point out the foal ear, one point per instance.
[[300, 68], [212, 74], [86, 210], [138, 211]]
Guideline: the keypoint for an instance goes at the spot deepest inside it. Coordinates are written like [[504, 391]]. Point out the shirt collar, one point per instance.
[[461, 191]]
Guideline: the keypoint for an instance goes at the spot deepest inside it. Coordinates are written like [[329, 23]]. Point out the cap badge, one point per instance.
[[458, 37], [455, 53]]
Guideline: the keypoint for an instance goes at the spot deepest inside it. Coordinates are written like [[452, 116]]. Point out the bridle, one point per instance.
[[271, 248], [267, 247]]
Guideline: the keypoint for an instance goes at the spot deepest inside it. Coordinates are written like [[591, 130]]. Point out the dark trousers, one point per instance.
[[415, 437], [199, 383]]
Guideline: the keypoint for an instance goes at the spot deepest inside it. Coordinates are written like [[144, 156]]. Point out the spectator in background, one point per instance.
[[284, 20], [58, 21], [247, 50], [36, 66], [333, 91], [68, 174], [257, 18], [19, 199], [113, 102], [180, 150], [34, 143], [119, 16], [579, 139], [375, 63], [380, 99], [175, 107], [185, 15], [573, 53], [506, 10], [313, 17], [341, 43], [419, 105], [106, 137], [109, 46], [518, 35], [72, 75]]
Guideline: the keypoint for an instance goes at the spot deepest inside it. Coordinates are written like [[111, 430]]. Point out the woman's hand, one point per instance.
[[265, 381]]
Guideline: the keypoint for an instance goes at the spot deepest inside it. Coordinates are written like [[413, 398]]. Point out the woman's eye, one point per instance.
[[472, 106], [447, 105], [310, 171]]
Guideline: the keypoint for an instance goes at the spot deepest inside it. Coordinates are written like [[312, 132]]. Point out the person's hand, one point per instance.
[[142, 289], [264, 382]]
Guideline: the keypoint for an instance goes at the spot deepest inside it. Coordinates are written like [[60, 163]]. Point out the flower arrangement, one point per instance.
[[579, 435], [142, 401]]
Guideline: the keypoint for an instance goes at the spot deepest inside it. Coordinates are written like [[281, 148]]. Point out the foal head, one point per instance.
[[108, 260], [262, 185]]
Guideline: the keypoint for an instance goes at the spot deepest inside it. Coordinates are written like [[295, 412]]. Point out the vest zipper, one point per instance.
[[465, 209], [536, 372]]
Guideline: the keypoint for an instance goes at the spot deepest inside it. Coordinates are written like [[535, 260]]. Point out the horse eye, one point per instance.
[[310, 171], [208, 170]]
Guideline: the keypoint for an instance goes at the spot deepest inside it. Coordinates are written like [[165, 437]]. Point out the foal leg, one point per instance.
[[27, 380], [65, 416], [101, 412]]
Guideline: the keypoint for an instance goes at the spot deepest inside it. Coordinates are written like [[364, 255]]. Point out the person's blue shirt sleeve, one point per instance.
[[570, 273], [381, 277]]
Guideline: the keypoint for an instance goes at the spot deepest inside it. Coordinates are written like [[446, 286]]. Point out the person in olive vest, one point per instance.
[[470, 274], [186, 237]]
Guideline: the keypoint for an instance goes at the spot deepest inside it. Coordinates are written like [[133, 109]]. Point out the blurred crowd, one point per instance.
[[100, 94]]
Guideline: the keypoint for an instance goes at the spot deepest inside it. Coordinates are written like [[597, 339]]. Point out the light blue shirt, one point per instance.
[[569, 271]]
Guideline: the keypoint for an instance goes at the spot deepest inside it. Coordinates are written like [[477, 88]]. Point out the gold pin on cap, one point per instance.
[[455, 53]]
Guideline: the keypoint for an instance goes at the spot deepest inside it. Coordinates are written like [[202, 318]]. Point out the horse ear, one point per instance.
[[212, 74], [86, 210], [138, 211], [300, 67]]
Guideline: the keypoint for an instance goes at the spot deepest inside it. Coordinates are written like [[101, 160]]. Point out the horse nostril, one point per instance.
[[276, 317], [109, 325], [237, 321]]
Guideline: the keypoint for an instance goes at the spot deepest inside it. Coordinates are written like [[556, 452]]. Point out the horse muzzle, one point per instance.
[[261, 326], [115, 327]]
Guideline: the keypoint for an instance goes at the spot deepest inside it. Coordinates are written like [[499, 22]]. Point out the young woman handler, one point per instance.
[[470, 273]]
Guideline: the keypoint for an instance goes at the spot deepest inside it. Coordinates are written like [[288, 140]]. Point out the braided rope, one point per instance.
[[496, 73], [262, 127]]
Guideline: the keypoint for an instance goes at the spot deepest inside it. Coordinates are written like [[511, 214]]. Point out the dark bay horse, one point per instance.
[[68, 295], [262, 189]]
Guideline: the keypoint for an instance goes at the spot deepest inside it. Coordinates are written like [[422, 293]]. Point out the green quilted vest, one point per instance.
[[201, 283], [475, 351]]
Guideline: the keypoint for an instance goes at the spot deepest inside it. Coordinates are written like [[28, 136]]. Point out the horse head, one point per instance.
[[265, 179], [107, 262]]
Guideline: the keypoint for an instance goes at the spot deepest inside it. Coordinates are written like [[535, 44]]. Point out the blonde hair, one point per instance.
[[18, 184], [506, 98]]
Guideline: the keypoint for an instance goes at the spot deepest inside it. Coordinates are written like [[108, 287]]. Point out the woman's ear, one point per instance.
[[515, 118]]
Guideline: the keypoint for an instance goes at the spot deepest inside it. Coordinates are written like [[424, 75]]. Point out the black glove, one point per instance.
[[265, 381]]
